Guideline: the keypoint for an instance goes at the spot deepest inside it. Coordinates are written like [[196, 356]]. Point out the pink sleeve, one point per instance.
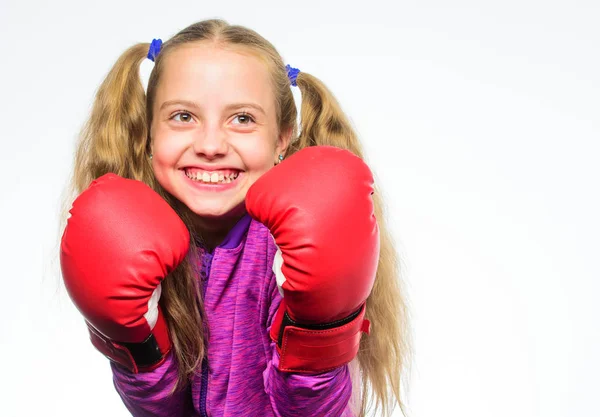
[[148, 394], [291, 394]]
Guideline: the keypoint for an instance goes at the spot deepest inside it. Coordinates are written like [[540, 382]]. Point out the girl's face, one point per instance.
[[214, 129]]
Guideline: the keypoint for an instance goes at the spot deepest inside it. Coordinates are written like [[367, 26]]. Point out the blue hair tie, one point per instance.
[[292, 74], [154, 49]]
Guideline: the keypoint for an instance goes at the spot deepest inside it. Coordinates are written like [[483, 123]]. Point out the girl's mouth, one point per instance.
[[222, 176]]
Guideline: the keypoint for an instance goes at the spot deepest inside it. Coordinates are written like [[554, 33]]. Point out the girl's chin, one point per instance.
[[217, 211]]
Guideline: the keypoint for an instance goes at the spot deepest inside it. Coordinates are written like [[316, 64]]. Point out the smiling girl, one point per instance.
[[226, 263]]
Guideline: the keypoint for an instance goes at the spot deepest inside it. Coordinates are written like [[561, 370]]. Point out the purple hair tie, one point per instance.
[[292, 74], [154, 49]]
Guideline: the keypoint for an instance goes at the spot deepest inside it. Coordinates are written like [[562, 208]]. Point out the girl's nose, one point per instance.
[[211, 142]]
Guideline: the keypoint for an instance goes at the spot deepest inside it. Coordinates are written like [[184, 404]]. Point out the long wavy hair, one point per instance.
[[116, 139]]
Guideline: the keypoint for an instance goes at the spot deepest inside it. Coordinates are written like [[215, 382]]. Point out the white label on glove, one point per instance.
[[277, 265], [152, 315]]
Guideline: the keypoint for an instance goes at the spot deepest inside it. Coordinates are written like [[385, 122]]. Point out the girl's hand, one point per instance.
[[121, 241], [318, 206]]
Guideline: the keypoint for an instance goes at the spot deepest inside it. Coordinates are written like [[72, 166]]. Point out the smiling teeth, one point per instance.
[[211, 178]]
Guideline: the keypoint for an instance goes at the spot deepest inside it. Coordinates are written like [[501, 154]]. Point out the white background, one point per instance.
[[481, 121]]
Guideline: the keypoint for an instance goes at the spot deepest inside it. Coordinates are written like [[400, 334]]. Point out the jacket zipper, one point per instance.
[[204, 275], [203, 386]]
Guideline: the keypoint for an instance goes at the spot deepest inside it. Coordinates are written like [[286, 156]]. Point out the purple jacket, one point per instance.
[[240, 375]]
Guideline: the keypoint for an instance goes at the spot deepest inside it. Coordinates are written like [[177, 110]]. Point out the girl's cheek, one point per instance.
[[258, 153]]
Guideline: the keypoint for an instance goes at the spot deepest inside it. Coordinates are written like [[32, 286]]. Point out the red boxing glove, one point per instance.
[[318, 207], [121, 241]]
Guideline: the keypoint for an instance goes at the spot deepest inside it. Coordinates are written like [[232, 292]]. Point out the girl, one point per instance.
[[219, 280]]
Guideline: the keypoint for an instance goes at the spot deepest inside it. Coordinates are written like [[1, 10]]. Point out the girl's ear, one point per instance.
[[283, 141]]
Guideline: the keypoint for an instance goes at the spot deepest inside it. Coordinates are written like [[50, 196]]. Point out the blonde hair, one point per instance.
[[116, 139]]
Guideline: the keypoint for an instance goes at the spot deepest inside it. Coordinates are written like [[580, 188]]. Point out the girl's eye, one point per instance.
[[186, 117], [244, 118]]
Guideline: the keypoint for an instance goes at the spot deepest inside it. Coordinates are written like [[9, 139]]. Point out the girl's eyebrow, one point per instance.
[[240, 105], [194, 105], [186, 103]]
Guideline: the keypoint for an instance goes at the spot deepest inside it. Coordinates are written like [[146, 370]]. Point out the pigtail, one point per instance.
[[384, 355], [322, 119], [111, 138], [115, 135]]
